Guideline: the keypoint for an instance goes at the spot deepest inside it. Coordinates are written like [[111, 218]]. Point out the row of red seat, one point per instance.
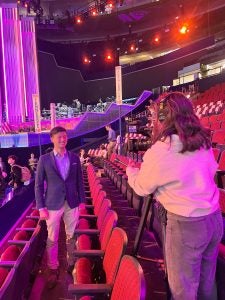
[[103, 240], [15, 253]]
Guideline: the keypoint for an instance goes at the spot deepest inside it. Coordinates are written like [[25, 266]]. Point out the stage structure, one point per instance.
[[18, 65]]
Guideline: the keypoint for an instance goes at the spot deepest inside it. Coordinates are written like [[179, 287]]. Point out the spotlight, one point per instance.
[[132, 48], [78, 20], [86, 60], [184, 29], [94, 13], [156, 39], [109, 57]]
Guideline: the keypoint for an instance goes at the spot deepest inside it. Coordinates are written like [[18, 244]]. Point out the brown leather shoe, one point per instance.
[[52, 278]]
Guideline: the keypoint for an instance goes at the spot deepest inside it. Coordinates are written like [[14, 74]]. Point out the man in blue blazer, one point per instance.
[[59, 191]]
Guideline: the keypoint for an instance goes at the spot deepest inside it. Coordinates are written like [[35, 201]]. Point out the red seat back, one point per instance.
[[109, 223], [222, 161], [222, 200], [216, 153], [3, 274], [130, 282], [113, 254]]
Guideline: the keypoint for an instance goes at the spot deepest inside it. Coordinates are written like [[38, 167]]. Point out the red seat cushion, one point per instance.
[[29, 223], [3, 274], [82, 271], [83, 242], [21, 235], [83, 224], [10, 253], [35, 213]]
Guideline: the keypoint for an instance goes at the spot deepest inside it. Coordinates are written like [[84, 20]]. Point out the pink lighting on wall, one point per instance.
[[30, 63], [19, 64], [12, 64]]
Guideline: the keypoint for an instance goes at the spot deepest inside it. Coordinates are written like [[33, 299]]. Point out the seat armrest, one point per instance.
[[7, 263], [33, 217], [18, 242], [88, 253], [86, 289], [86, 231], [89, 206], [25, 229], [93, 217]]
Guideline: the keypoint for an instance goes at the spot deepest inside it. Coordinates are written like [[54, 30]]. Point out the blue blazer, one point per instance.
[[58, 190]]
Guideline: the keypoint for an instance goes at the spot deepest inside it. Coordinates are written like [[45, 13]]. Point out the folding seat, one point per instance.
[[218, 137], [110, 258], [205, 121], [93, 209], [223, 125], [221, 170], [3, 274], [89, 221], [11, 253], [222, 201], [94, 237], [215, 125], [129, 283], [216, 153], [212, 118]]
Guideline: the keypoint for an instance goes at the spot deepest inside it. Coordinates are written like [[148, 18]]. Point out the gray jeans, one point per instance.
[[191, 254]]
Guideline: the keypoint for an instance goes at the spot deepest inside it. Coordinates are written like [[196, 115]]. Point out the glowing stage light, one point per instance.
[[156, 39], [26, 5], [94, 13], [184, 29], [132, 48], [78, 20], [109, 57], [86, 60]]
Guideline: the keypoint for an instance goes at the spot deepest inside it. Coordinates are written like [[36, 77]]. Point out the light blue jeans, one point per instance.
[[191, 253]]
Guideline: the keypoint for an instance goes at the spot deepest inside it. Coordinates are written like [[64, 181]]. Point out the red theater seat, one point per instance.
[[35, 213], [21, 235], [129, 283], [112, 256], [29, 224], [3, 274], [222, 201], [11, 253], [82, 272]]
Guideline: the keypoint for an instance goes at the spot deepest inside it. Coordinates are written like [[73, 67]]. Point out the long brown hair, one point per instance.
[[180, 119]]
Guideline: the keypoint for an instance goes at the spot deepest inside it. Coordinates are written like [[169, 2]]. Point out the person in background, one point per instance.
[[33, 162], [102, 152], [61, 171], [111, 140], [2, 165], [15, 179], [180, 168], [2, 184], [84, 158]]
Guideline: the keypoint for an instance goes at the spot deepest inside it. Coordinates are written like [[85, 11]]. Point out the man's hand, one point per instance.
[[44, 215]]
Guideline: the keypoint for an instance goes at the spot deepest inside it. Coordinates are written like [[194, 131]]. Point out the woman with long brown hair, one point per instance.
[[179, 169]]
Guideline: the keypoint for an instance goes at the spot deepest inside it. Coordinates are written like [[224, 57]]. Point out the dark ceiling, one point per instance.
[[151, 16]]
